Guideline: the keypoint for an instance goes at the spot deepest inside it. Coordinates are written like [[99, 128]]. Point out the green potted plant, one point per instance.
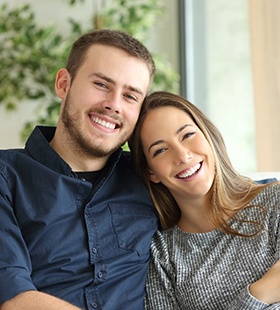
[[30, 55]]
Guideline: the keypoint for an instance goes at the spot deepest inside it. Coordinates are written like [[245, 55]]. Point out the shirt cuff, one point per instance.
[[254, 298], [14, 281], [246, 301]]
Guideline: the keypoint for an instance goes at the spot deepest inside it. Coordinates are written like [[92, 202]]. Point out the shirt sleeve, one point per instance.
[[245, 301], [15, 265], [160, 292], [276, 232]]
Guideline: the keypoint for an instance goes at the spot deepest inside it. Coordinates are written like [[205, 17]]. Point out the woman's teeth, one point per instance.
[[189, 172]]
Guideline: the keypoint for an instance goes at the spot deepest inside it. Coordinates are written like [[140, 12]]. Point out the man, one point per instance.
[[75, 221]]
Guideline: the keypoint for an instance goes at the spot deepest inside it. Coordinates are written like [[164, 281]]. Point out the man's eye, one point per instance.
[[131, 97], [99, 84]]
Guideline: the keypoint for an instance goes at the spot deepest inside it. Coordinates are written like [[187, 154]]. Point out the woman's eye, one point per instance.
[[187, 135], [157, 152]]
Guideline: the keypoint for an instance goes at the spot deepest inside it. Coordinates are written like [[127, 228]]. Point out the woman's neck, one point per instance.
[[195, 215], [195, 222]]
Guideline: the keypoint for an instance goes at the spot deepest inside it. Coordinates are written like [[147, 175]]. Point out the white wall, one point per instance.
[[163, 39]]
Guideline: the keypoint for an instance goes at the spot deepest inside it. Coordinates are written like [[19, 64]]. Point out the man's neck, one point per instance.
[[76, 160]]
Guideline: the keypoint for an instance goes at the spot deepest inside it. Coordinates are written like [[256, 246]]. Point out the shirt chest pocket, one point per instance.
[[134, 225]]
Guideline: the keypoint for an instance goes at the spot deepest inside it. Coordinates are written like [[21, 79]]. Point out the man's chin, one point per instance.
[[101, 151]]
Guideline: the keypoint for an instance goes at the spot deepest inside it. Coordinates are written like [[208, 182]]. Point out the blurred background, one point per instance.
[[221, 55]]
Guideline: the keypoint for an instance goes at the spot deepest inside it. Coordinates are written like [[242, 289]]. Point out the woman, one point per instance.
[[219, 246]]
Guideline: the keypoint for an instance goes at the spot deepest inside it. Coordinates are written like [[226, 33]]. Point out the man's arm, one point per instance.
[[34, 300]]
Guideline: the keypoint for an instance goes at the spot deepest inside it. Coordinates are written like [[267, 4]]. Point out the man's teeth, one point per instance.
[[103, 123], [190, 172]]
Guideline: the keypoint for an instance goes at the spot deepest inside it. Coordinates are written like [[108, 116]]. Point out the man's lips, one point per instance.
[[189, 172], [104, 123]]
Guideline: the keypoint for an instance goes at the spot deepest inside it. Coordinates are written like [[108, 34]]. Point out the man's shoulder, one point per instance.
[[12, 154]]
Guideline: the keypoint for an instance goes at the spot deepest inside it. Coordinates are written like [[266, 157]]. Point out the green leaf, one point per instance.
[[30, 54]]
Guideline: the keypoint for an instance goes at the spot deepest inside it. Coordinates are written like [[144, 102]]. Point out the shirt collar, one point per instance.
[[39, 148]]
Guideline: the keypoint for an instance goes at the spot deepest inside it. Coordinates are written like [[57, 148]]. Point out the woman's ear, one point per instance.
[[153, 177], [62, 82]]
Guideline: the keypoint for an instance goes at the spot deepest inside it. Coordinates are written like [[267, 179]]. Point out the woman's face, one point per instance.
[[178, 153]]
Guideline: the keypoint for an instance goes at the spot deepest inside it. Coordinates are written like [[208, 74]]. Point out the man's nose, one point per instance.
[[113, 102]]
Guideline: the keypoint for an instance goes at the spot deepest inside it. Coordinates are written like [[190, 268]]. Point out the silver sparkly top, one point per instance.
[[213, 270]]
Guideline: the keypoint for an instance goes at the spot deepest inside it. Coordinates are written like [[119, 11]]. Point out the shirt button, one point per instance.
[[94, 305], [94, 250], [100, 274]]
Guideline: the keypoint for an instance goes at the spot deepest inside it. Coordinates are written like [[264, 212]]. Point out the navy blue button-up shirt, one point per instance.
[[61, 236]]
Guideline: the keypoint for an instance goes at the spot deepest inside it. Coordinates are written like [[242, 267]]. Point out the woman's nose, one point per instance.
[[183, 155]]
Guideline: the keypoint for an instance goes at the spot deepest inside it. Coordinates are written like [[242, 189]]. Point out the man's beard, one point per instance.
[[78, 141]]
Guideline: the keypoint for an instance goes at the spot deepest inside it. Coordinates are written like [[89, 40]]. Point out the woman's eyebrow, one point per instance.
[[155, 143], [162, 141], [182, 128]]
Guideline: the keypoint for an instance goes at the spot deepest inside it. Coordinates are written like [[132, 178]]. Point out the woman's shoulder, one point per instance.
[[269, 199], [164, 236], [270, 193], [163, 241]]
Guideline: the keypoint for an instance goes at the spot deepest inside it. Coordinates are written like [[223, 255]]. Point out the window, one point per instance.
[[217, 73]]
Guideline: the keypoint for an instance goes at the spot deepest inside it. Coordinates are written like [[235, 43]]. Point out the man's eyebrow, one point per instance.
[[136, 90], [102, 76], [109, 80]]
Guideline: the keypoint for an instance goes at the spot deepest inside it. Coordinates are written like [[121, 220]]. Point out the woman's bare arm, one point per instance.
[[267, 289]]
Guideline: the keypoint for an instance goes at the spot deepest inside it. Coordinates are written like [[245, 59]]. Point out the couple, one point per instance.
[[76, 223]]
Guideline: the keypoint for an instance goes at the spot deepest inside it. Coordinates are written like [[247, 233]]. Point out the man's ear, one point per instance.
[[153, 177], [62, 82]]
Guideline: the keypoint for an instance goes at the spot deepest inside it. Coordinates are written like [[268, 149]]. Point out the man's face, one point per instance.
[[102, 103]]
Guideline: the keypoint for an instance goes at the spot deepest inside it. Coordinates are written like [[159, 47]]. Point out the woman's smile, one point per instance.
[[188, 173], [177, 152]]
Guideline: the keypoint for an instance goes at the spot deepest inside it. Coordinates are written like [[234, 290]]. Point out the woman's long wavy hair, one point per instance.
[[230, 191]]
